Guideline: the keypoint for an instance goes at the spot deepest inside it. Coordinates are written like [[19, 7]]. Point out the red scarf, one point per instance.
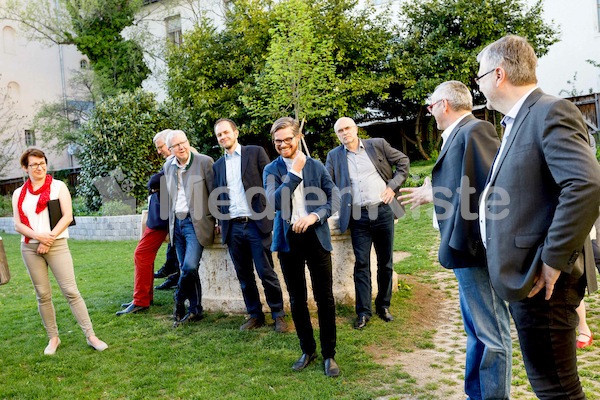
[[43, 191]]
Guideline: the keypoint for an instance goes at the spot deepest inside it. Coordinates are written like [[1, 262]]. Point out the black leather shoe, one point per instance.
[[131, 309], [361, 321], [303, 361], [189, 317], [166, 285], [385, 315], [125, 305], [331, 368], [163, 272], [252, 323]]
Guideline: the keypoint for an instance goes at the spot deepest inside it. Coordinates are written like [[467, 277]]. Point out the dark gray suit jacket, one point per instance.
[[463, 165], [553, 184], [198, 183], [254, 160], [391, 164]]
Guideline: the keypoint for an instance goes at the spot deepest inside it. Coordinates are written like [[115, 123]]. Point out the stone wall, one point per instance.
[[124, 227]]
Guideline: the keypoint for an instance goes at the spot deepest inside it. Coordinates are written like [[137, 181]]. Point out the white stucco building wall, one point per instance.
[[579, 41], [31, 73]]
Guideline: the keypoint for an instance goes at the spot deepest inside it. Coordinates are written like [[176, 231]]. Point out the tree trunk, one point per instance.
[[418, 136]]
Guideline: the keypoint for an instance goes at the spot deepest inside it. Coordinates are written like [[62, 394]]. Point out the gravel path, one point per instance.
[[437, 373]]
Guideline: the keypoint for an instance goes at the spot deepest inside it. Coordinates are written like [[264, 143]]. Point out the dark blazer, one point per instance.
[[198, 183], [254, 160], [319, 190], [391, 164], [463, 163], [553, 184], [154, 220]]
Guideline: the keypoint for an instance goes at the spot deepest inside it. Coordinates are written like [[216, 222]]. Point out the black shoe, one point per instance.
[[303, 361], [166, 285], [189, 317], [252, 323], [125, 305], [163, 272], [331, 368], [385, 315], [361, 321], [131, 309]]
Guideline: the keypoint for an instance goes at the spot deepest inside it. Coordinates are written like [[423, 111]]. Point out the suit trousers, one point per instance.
[[143, 258], [60, 262], [547, 337], [374, 228], [247, 246], [305, 249]]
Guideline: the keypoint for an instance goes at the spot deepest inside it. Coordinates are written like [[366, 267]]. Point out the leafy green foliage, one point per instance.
[[118, 63], [6, 206], [299, 73], [118, 139], [226, 72], [438, 40], [441, 39]]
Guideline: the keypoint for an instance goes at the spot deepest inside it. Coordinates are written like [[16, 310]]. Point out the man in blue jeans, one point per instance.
[[459, 174], [189, 180]]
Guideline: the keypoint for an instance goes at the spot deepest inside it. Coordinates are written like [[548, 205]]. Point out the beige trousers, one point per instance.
[[60, 262]]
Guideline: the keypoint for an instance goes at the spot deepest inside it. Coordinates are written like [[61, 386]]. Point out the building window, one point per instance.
[[83, 64], [9, 40], [29, 137], [173, 25], [13, 90]]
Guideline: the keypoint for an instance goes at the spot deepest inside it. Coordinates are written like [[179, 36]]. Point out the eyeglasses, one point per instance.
[[287, 140], [430, 107], [37, 165], [176, 146], [478, 78]]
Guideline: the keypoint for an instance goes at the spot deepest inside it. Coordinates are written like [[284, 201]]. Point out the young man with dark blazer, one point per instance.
[[245, 225]]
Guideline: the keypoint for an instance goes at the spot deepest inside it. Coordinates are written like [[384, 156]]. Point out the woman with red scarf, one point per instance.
[[42, 247]]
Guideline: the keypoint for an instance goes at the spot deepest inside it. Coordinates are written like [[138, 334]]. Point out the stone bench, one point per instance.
[[221, 289]]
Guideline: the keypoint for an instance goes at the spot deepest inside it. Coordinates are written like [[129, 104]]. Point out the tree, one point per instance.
[[60, 121], [95, 27], [439, 41], [215, 73], [299, 76], [117, 149]]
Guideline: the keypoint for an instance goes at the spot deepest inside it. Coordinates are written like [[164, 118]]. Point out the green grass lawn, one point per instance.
[[147, 358]]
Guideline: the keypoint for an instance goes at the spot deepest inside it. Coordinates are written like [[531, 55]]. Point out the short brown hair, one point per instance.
[[286, 122], [32, 151], [231, 123], [515, 55]]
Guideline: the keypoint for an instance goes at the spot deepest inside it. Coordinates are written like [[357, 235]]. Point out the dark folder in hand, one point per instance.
[[55, 213]]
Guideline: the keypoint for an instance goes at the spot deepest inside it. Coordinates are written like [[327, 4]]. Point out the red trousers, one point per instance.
[[143, 258]]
